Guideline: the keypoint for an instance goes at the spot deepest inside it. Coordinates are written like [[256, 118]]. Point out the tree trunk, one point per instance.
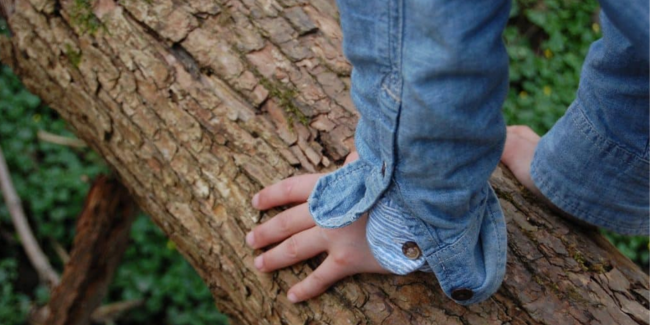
[[197, 104], [101, 238]]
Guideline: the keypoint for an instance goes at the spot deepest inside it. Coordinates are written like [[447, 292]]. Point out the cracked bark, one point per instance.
[[198, 104]]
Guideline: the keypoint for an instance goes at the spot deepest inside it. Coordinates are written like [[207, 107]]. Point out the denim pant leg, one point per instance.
[[593, 164]]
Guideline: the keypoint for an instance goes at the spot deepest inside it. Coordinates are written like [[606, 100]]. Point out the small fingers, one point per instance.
[[523, 131], [283, 225], [290, 190], [327, 274], [299, 247]]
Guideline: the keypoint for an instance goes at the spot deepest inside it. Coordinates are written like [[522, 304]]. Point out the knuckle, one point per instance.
[[342, 259], [318, 282], [284, 223], [259, 235], [287, 186], [292, 247]]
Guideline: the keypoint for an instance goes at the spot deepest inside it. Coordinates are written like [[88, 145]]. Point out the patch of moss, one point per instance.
[[580, 259], [547, 284], [73, 56], [285, 97], [591, 267], [574, 295], [83, 17]]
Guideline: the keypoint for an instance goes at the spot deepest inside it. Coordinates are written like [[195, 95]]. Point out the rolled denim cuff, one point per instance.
[[471, 267], [388, 232], [589, 176], [341, 197]]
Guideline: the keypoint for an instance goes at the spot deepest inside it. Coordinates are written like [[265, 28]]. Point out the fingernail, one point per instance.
[[259, 262], [292, 297], [250, 239], [256, 200]]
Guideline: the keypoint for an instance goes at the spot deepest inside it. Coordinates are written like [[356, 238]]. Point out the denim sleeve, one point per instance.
[[429, 78], [593, 164]]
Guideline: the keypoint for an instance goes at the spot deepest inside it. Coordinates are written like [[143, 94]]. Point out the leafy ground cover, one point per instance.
[[52, 181], [546, 41]]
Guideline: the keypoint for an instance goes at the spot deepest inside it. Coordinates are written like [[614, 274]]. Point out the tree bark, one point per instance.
[[198, 104], [101, 238]]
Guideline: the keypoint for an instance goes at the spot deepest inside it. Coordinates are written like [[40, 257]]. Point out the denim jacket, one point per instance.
[[429, 78]]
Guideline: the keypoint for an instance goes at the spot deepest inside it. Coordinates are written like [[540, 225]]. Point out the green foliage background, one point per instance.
[[546, 40]]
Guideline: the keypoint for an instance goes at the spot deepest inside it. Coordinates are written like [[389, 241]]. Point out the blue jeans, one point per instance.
[[429, 79], [593, 164]]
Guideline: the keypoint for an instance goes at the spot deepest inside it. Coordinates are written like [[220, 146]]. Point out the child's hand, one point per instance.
[[347, 248], [518, 154]]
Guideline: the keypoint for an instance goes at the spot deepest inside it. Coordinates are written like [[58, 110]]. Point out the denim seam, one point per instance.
[[340, 177], [571, 207], [461, 239], [400, 35], [500, 244], [501, 240], [390, 35], [435, 239], [585, 126], [390, 93]]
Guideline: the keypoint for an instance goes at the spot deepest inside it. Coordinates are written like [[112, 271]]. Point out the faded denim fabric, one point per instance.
[[593, 164], [429, 78]]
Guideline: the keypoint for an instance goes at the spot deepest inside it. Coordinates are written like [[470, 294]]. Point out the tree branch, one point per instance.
[[101, 238], [57, 139], [6, 8], [33, 250]]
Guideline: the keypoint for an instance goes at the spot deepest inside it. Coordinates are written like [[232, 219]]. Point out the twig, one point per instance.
[[106, 314], [111, 312], [57, 139], [34, 252], [60, 251]]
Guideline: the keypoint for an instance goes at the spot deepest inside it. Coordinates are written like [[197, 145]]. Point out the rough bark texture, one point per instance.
[[197, 104], [101, 238]]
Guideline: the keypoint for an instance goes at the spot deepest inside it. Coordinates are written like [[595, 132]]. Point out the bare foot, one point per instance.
[[518, 153], [521, 142]]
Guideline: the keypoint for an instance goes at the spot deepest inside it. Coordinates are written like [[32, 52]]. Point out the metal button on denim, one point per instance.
[[462, 294], [411, 250]]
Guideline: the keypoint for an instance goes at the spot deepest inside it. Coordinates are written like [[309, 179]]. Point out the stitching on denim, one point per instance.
[[453, 246], [590, 218], [577, 212], [473, 225], [585, 126], [390, 93], [500, 239], [402, 203]]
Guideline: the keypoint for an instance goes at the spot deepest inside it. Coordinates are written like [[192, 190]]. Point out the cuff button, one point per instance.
[[462, 294], [411, 250]]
